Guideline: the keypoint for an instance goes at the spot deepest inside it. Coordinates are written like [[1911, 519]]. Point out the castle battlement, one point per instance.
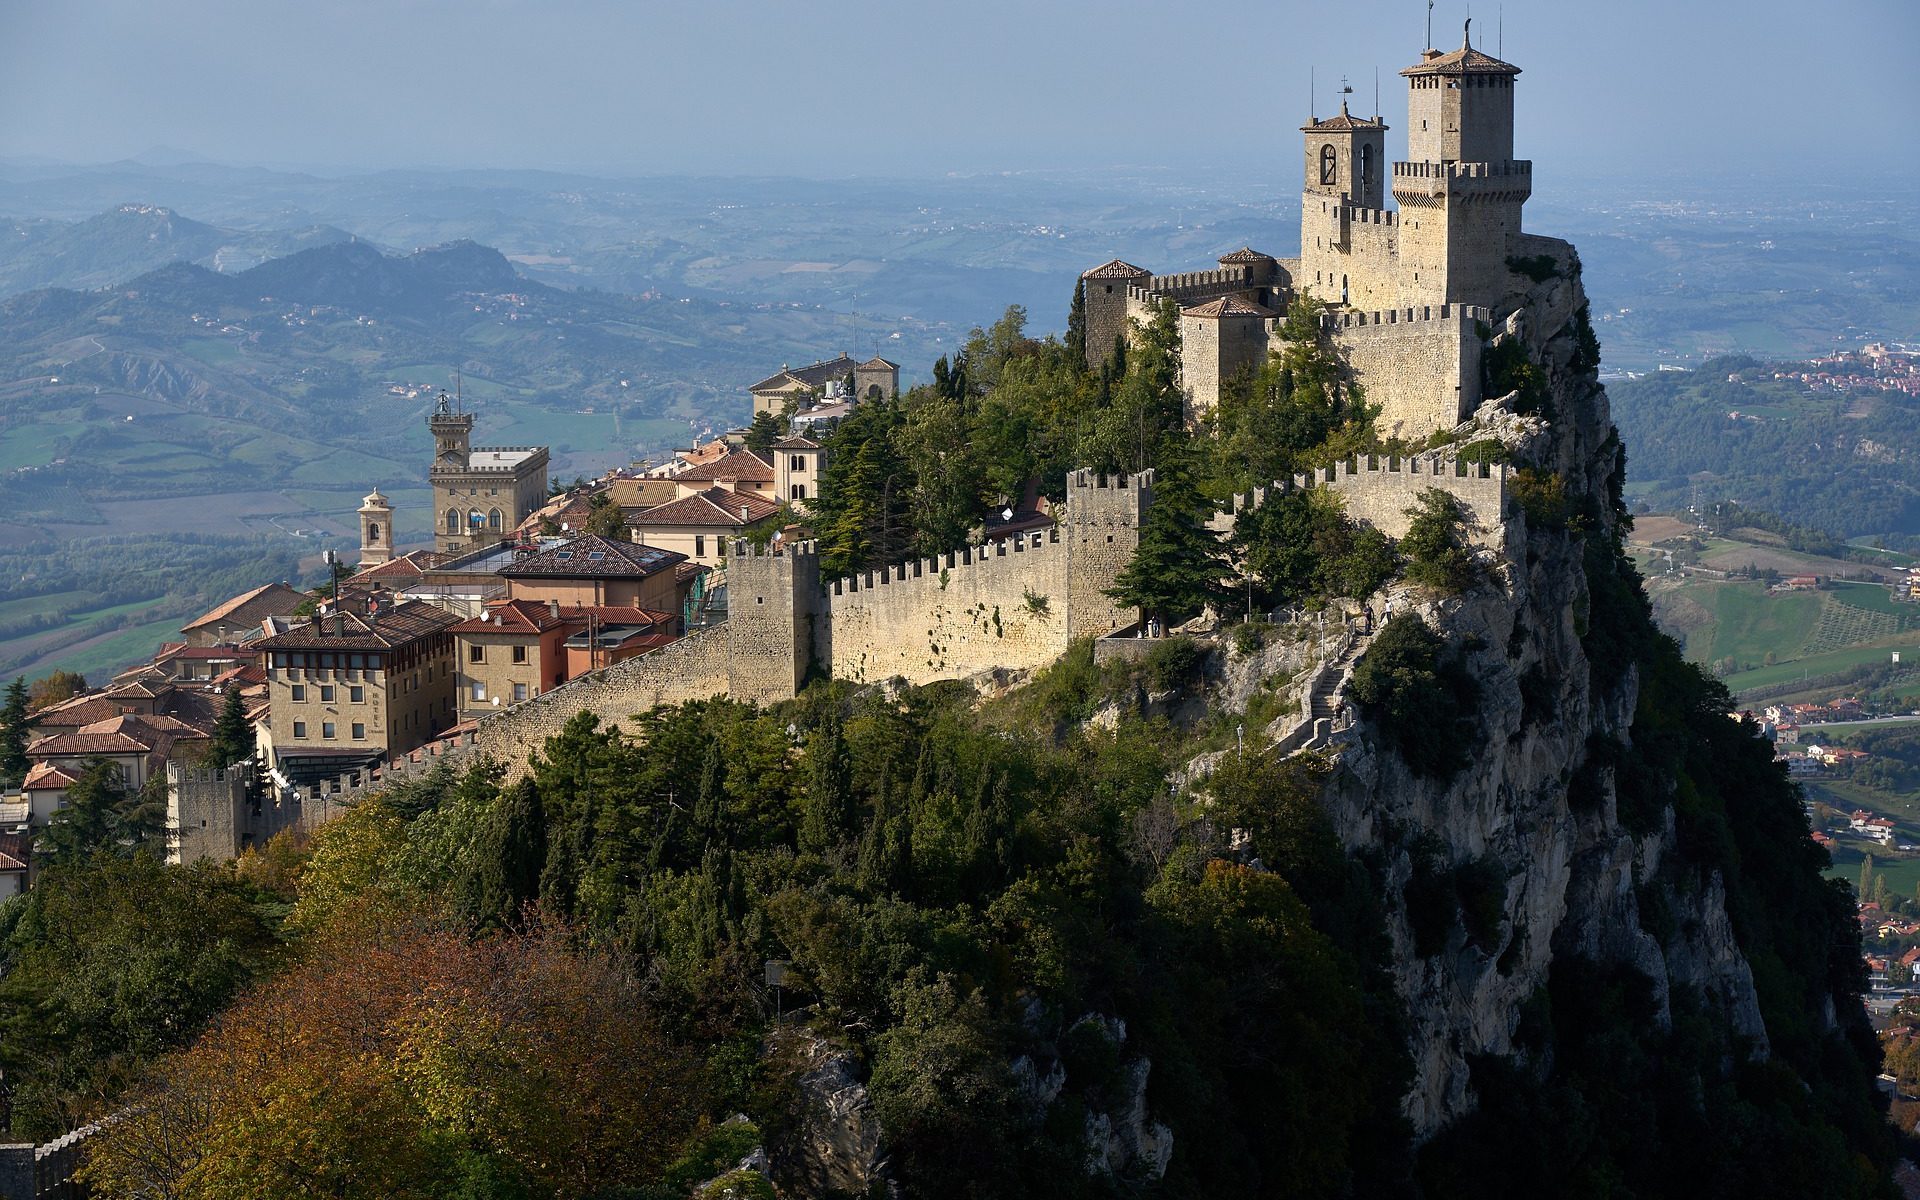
[[806, 548], [1086, 479], [1406, 316], [1356, 215], [949, 563], [1463, 170], [1192, 285], [1379, 489]]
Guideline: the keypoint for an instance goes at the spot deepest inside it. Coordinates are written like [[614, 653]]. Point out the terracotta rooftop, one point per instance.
[[1226, 306], [715, 507], [813, 375], [1345, 120], [1464, 61], [1246, 254], [743, 465], [514, 616], [796, 442], [15, 850], [289, 597], [405, 622], [410, 565], [590, 556], [877, 361], [45, 777], [1117, 269]]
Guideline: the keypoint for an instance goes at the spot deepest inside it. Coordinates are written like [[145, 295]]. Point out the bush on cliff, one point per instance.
[[1421, 697]]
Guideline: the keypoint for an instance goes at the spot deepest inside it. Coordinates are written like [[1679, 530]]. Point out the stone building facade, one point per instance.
[[1409, 286], [480, 493]]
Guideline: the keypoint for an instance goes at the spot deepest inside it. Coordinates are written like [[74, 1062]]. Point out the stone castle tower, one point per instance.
[[480, 494], [1410, 286], [376, 530]]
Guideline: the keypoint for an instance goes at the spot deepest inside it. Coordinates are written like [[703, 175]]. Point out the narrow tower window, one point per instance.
[[1327, 160], [1366, 167]]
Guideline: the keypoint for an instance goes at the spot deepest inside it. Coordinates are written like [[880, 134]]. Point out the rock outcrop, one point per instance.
[[1575, 878]]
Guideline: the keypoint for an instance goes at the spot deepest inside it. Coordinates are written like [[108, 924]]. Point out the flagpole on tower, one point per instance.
[[1429, 24]]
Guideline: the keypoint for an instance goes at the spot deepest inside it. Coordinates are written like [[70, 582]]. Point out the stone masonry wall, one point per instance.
[[1380, 490], [1001, 605], [1102, 530], [693, 668], [206, 813], [1420, 365]]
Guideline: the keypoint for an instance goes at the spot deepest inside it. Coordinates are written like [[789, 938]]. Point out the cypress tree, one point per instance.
[[826, 820], [1180, 567], [1077, 326], [232, 733], [14, 732]]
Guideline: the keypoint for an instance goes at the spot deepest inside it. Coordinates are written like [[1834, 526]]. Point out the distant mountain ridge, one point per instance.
[[132, 238]]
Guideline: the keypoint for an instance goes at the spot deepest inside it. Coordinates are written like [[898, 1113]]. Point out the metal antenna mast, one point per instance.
[[1429, 24]]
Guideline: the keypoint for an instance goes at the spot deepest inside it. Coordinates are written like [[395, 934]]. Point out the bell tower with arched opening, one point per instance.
[[376, 530]]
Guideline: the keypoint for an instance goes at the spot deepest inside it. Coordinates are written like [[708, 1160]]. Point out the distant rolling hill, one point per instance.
[[132, 239], [313, 370]]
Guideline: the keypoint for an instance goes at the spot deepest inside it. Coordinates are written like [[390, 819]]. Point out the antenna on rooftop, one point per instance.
[[459, 395], [1500, 43], [1429, 24], [1312, 88], [1376, 92]]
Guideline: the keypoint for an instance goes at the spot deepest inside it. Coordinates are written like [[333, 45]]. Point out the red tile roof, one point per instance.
[[45, 777], [591, 556], [290, 597], [715, 508], [1117, 269], [1464, 61], [742, 465], [1226, 306]]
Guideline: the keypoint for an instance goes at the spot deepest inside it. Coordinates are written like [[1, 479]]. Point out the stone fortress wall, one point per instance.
[[1014, 604], [1405, 359], [1380, 490]]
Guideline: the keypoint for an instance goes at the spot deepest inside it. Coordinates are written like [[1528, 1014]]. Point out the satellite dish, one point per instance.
[[1006, 514], [496, 702], [564, 527]]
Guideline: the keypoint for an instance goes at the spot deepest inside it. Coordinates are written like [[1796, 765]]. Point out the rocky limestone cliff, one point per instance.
[[1575, 878]]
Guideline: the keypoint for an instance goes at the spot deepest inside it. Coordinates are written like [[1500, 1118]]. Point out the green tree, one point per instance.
[[1438, 553], [936, 445], [1077, 323], [232, 740], [1145, 412], [764, 432], [1180, 567], [1421, 695], [103, 815], [53, 687], [1300, 409], [15, 732], [605, 518]]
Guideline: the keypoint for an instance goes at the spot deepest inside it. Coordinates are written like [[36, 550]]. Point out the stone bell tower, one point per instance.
[[376, 530]]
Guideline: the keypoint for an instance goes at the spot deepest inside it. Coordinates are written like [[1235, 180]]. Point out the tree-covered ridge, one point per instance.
[[1010, 414], [1838, 462]]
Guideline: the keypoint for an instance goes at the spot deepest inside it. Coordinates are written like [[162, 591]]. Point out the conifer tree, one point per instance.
[[1180, 567], [232, 740], [826, 820], [1077, 325], [15, 732]]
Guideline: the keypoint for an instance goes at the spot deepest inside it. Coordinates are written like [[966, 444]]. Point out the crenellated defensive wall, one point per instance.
[[1380, 489]]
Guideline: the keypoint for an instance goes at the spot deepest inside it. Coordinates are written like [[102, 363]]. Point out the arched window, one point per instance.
[[1366, 167], [373, 531], [453, 521], [493, 520], [1328, 161]]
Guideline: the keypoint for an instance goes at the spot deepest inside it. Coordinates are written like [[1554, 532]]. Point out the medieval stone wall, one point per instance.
[[1420, 365], [1000, 605], [1379, 491], [206, 813]]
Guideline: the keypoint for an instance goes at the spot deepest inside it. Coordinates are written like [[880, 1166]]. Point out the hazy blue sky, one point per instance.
[[900, 88]]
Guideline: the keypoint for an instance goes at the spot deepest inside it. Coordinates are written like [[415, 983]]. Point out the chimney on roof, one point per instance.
[[340, 623], [553, 609], [743, 512]]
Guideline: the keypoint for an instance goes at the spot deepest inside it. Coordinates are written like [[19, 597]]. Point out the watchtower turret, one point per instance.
[[1347, 159], [1460, 106], [376, 530], [452, 435]]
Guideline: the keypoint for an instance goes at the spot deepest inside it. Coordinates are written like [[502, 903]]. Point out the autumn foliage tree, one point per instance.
[[403, 1060]]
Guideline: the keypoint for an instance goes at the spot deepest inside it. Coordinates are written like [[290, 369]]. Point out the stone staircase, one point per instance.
[[1320, 709]]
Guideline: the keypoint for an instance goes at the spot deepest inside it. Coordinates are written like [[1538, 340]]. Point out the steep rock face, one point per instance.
[[1575, 878]]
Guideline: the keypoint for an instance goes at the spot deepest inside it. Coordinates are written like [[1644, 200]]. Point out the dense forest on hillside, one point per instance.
[[1014, 942], [1832, 462]]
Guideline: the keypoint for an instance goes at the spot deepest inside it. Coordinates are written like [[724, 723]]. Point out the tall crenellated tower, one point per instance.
[[1461, 191], [1346, 251], [376, 530], [452, 435]]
